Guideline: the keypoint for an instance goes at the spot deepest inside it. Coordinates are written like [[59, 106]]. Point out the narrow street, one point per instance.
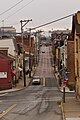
[[40, 60], [44, 68], [36, 102]]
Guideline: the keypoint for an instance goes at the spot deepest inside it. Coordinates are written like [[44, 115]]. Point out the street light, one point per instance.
[[23, 51]]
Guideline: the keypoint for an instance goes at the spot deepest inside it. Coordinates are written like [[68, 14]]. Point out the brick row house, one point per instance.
[[27, 47], [58, 47], [76, 39], [66, 54], [70, 63]]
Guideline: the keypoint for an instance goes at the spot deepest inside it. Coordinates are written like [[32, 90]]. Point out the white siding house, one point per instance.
[[10, 45]]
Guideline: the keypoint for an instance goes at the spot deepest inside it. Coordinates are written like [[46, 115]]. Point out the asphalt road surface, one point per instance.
[[44, 68], [36, 102]]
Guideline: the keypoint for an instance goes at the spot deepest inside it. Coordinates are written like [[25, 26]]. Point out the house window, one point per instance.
[[76, 45], [4, 52]]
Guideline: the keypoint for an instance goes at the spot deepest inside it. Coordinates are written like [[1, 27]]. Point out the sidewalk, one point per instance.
[[66, 89], [19, 86], [61, 87], [71, 109]]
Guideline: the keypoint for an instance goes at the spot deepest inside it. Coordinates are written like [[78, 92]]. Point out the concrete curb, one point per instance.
[[66, 90], [61, 87], [62, 110], [11, 90], [16, 88]]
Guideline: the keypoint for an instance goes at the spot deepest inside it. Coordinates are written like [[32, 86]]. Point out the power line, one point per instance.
[[11, 7], [45, 24], [18, 10]]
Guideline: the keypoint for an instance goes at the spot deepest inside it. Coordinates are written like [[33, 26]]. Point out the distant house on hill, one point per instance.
[[7, 31]]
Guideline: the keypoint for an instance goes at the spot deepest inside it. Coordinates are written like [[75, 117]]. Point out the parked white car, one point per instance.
[[36, 80]]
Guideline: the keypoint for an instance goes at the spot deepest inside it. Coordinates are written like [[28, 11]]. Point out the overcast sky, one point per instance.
[[40, 11]]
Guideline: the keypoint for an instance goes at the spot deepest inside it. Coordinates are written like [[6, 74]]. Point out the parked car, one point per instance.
[[36, 80], [43, 51]]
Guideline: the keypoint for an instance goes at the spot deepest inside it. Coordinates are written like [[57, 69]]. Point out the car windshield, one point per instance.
[[36, 77]]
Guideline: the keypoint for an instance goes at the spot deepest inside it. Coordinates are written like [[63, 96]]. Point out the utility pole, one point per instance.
[[63, 94], [3, 28], [23, 51], [36, 47], [30, 54]]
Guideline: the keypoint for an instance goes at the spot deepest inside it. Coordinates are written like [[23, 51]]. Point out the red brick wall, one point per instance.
[[26, 43], [71, 62]]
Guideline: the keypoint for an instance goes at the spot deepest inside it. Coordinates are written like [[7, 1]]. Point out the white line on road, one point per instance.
[[43, 81], [7, 110], [3, 94]]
